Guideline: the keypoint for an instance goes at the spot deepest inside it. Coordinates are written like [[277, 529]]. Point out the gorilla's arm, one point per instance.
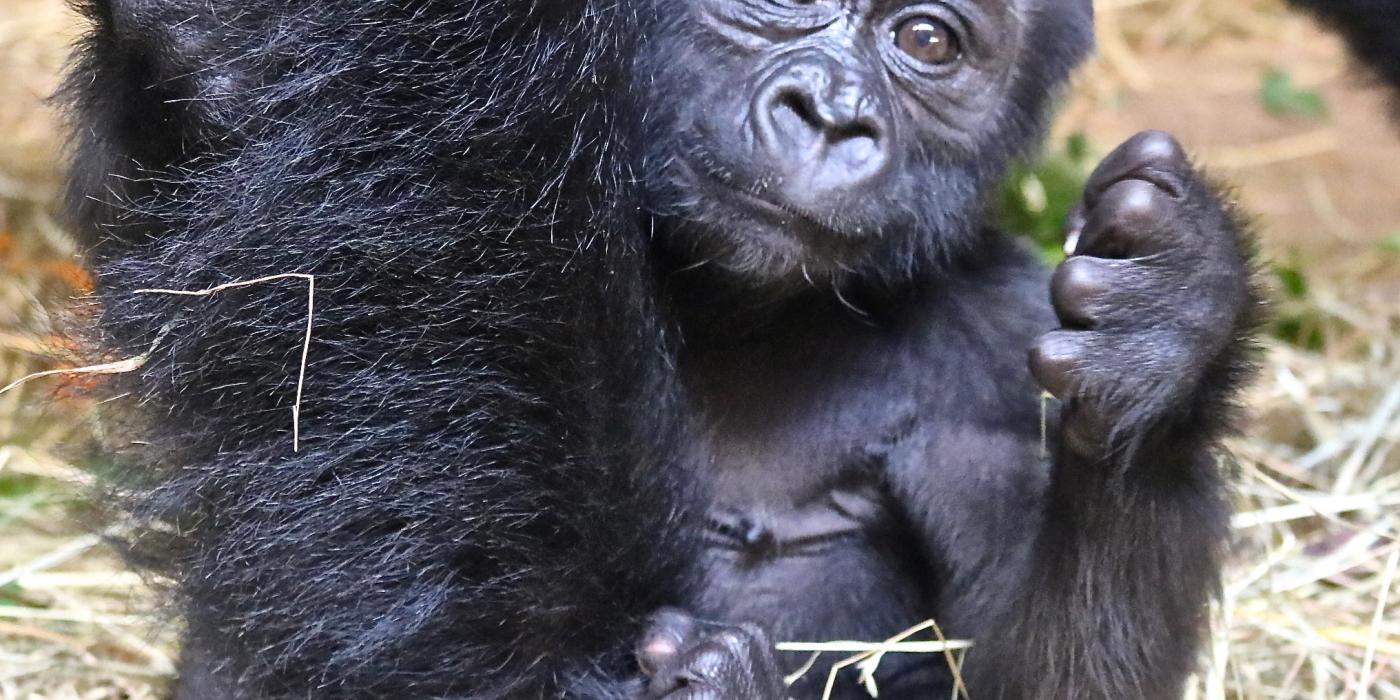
[[1099, 590], [457, 521], [1156, 309], [1371, 28]]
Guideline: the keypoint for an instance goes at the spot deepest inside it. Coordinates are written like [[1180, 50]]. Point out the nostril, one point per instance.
[[792, 108], [798, 104], [853, 131], [827, 138]]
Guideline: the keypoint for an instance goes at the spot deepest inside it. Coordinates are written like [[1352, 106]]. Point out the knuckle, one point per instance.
[[1159, 148], [1135, 200], [672, 623], [734, 640], [1152, 156], [1082, 277], [1053, 361], [1054, 350], [668, 614], [711, 660], [656, 652]]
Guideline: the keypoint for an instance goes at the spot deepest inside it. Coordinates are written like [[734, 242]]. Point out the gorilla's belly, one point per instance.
[[841, 567]]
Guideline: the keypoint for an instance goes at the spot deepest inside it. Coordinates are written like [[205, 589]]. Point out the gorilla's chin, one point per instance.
[[761, 238], [764, 247]]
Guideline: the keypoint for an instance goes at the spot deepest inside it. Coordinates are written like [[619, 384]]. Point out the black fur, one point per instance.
[[1371, 28], [552, 390], [482, 504]]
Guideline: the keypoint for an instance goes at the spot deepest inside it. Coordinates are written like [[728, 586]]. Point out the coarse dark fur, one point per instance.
[[482, 504], [1371, 29], [554, 386]]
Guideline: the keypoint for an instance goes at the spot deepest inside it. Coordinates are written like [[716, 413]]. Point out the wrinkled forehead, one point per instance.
[[1081, 7], [1024, 13]]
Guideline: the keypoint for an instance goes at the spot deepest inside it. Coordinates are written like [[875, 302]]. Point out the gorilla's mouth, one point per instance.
[[794, 218], [805, 226]]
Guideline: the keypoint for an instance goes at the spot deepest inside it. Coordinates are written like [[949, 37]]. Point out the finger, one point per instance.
[[667, 635], [718, 658], [733, 655], [1133, 218], [1080, 291], [1055, 360], [763, 659], [1153, 156]]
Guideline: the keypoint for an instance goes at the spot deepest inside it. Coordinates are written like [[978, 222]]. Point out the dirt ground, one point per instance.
[[34, 39], [1304, 611], [1323, 191]]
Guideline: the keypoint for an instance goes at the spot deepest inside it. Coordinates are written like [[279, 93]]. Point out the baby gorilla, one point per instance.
[[866, 435], [1110, 549], [680, 310]]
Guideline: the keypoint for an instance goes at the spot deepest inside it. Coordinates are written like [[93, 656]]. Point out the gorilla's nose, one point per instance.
[[823, 126]]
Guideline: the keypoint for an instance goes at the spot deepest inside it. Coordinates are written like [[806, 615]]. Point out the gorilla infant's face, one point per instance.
[[792, 138]]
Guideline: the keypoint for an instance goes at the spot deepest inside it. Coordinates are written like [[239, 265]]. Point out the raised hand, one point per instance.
[[1154, 302]]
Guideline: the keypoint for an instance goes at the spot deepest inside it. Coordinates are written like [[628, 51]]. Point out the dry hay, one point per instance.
[[1126, 28], [1318, 517], [71, 622]]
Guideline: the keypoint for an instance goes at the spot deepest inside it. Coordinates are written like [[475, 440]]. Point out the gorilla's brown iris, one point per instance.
[[927, 39]]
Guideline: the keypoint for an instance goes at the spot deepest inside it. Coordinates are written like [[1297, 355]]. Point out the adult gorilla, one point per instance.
[[645, 330]]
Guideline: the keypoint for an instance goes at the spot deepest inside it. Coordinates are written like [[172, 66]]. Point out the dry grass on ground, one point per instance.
[[1319, 487]]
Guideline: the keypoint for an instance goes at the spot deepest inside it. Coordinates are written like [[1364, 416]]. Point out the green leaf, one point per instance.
[[1390, 242], [15, 486], [1037, 196], [1281, 98], [1301, 329], [1292, 279], [1077, 147]]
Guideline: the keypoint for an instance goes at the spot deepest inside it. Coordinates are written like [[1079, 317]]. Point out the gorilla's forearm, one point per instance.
[[1115, 601], [1120, 574]]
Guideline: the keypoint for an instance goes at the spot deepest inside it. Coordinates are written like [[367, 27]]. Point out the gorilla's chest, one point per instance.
[[813, 561], [802, 532], [803, 535]]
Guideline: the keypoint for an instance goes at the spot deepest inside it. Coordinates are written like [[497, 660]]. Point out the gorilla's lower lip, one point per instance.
[[790, 218]]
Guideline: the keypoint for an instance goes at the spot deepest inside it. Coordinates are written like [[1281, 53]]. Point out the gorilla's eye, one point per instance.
[[927, 39]]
